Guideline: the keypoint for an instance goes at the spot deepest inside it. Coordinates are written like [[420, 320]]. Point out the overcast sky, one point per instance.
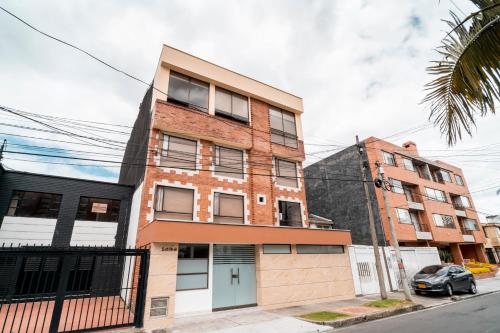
[[359, 65]]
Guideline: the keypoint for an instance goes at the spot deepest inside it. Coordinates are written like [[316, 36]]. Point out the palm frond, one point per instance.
[[468, 77]]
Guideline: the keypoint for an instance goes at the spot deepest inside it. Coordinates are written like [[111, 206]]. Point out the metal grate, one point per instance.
[[234, 254]]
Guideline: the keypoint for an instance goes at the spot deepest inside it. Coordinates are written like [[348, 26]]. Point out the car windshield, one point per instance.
[[436, 269]]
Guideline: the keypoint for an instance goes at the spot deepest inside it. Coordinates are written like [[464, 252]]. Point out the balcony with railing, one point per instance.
[[413, 196], [422, 231]]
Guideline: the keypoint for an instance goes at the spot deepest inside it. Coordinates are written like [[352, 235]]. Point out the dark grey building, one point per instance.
[[334, 190], [43, 210]]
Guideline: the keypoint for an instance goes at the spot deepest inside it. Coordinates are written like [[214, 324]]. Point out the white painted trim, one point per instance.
[[196, 208], [246, 203], [17, 230], [93, 233], [290, 199]]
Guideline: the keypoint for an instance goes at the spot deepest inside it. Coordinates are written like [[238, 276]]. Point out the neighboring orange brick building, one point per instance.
[[429, 200], [220, 199]]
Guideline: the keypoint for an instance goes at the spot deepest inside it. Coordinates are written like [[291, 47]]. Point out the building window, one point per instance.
[[408, 164], [96, 209], [396, 186], [228, 208], [403, 216], [277, 249], [436, 195], [320, 249], [34, 204], [177, 152], [231, 105], [228, 162], [174, 203], [389, 158], [290, 214], [186, 91], [445, 175], [283, 128], [192, 267], [159, 307], [461, 201], [444, 221], [286, 173], [459, 180], [498, 231], [470, 224]]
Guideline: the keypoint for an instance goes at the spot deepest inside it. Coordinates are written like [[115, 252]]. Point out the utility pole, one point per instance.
[[394, 238], [378, 264]]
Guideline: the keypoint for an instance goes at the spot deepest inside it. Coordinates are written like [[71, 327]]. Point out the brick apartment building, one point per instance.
[[492, 232], [429, 200], [216, 158]]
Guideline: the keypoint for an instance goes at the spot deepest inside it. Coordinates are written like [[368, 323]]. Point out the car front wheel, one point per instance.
[[448, 290], [472, 288]]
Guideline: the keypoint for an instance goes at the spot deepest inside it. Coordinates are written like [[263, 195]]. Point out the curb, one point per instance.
[[367, 317], [456, 298]]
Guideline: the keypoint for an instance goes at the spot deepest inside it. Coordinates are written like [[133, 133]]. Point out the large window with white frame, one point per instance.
[[286, 173], [283, 127], [445, 175], [228, 162], [187, 91], [461, 201], [436, 195], [174, 203], [176, 152], [459, 180], [443, 221], [396, 186], [231, 105], [408, 164], [229, 208], [192, 267], [470, 224]]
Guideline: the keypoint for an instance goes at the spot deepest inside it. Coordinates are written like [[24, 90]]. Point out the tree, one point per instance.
[[468, 76]]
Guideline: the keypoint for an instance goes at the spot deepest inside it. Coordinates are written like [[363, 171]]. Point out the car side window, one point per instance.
[[460, 270], [452, 270]]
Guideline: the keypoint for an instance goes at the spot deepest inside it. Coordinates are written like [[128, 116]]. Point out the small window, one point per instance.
[[97, 209], [177, 152], [396, 186], [174, 203], [228, 162], [389, 158], [228, 208], [445, 175], [436, 195], [286, 173], [192, 267], [186, 91], [231, 105], [277, 248], [159, 307], [444, 221], [320, 249], [470, 224], [408, 164], [459, 180], [283, 128], [34, 204], [403, 216], [290, 214]]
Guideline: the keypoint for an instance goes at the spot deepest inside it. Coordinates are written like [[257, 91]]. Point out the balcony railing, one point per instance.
[[422, 231]]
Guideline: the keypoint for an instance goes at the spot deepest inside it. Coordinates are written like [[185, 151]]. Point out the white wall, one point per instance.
[[27, 230], [135, 209], [196, 301], [93, 233]]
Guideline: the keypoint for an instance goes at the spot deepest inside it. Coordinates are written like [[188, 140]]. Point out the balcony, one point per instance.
[[422, 232], [468, 236], [460, 212], [415, 205]]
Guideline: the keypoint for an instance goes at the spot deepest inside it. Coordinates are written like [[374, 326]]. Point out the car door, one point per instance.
[[463, 278], [454, 278]]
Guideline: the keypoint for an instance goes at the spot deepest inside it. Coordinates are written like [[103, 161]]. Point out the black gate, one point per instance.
[[71, 290]]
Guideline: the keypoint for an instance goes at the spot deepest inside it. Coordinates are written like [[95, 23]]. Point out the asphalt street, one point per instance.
[[475, 315]]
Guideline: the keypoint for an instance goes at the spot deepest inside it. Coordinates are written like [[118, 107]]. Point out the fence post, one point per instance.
[[141, 290], [67, 263]]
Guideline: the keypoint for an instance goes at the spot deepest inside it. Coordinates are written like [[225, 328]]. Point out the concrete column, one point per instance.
[[456, 253]]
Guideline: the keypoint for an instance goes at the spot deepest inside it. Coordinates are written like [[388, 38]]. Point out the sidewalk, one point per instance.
[[257, 320]]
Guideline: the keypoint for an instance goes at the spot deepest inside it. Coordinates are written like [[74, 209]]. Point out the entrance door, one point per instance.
[[234, 283]]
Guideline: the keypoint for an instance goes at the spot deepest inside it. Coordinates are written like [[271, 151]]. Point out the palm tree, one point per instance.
[[468, 77]]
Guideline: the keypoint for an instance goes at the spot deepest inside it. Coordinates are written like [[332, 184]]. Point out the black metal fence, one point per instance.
[[71, 290]]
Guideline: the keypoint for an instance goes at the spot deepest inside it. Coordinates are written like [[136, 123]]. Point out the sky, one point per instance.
[[358, 65]]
